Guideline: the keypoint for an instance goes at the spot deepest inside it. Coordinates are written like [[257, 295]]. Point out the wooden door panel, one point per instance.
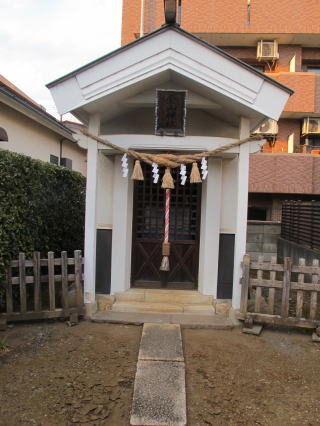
[[148, 228]]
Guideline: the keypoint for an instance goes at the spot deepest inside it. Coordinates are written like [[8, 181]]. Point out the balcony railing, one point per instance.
[[310, 149]]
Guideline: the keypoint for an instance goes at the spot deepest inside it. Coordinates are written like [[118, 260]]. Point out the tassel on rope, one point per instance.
[[167, 180], [137, 173], [195, 174], [165, 264]]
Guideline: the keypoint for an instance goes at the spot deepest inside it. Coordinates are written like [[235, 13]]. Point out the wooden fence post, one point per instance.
[[314, 294], [64, 279], [286, 287], [52, 292], [36, 281], [299, 307], [245, 284], [78, 277], [22, 283]]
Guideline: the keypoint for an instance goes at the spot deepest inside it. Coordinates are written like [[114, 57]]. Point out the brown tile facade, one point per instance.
[[221, 16], [285, 173]]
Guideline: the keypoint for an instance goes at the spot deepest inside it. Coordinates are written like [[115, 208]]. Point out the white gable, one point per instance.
[[137, 67]]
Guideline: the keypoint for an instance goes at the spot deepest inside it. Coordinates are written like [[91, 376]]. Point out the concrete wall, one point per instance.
[[262, 239], [32, 139], [295, 251]]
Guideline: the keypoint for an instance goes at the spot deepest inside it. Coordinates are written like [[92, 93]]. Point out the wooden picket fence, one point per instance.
[[44, 288], [280, 294]]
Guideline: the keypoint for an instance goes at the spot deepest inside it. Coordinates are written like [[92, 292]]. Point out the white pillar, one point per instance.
[[242, 208], [210, 228], [90, 220], [121, 230]]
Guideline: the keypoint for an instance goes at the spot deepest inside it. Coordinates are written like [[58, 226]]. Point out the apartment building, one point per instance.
[[281, 39]]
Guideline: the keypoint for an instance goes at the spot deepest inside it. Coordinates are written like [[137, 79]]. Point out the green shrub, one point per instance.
[[41, 207]]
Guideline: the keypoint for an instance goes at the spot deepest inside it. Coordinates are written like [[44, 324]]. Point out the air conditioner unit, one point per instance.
[[66, 162], [267, 50], [311, 126], [268, 127]]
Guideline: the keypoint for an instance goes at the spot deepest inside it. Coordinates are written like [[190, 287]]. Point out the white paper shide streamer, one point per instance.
[[124, 165], [155, 172], [183, 174], [204, 168]]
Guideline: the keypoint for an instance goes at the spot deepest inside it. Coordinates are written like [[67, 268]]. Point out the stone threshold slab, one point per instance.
[[159, 396], [214, 322], [161, 342]]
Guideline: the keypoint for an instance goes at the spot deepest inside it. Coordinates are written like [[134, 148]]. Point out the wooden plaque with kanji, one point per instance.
[[171, 112]]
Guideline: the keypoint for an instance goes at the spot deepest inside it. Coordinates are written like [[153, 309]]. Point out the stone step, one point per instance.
[[164, 296], [162, 307], [193, 320]]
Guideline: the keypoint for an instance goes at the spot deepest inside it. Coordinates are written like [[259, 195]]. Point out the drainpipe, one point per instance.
[[179, 12], [61, 140], [142, 18]]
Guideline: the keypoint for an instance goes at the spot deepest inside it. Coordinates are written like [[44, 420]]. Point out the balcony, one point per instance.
[[306, 99], [310, 149]]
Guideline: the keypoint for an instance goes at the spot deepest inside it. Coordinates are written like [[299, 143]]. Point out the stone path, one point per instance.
[[159, 396]]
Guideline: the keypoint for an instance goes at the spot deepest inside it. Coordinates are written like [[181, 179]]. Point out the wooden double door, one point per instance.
[[148, 229]]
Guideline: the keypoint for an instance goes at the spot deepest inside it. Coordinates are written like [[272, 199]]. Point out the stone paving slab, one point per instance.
[[159, 397], [185, 320], [161, 342]]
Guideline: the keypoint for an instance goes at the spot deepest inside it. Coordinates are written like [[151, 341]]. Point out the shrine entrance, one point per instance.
[[148, 229]]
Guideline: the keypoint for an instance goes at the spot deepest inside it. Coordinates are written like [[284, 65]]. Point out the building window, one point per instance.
[[54, 159], [3, 135]]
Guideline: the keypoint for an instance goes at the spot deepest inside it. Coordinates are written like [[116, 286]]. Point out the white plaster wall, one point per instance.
[[32, 139], [228, 218], [104, 205], [142, 121], [77, 155]]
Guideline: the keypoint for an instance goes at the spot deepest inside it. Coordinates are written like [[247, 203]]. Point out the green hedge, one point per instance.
[[41, 207]]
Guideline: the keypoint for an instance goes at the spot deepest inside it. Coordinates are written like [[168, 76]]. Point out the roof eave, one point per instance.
[[34, 112]]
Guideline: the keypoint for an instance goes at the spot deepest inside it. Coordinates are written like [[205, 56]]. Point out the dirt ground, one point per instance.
[[237, 379], [60, 375], [83, 375]]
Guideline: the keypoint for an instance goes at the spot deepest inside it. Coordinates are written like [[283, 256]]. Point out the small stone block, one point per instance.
[[161, 342], [3, 324], [255, 330], [74, 319], [159, 396], [315, 337]]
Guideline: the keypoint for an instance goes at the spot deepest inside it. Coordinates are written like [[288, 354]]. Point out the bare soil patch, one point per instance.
[[84, 375], [60, 375], [237, 379]]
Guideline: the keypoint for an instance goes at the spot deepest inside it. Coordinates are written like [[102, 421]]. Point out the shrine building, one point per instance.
[[167, 92]]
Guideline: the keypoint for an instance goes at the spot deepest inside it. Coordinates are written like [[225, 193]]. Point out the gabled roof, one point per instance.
[[165, 28], [172, 55], [17, 99]]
